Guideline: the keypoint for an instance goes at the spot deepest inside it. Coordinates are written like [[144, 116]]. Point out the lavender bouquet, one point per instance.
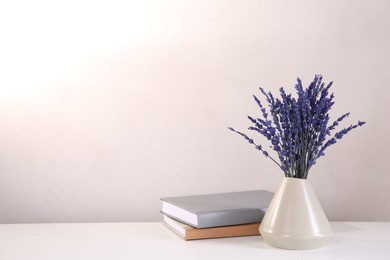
[[298, 128]]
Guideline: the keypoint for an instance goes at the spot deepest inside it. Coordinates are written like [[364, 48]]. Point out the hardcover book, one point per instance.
[[221, 209], [190, 233]]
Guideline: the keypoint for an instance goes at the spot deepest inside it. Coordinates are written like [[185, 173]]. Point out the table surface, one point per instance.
[[152, 240]]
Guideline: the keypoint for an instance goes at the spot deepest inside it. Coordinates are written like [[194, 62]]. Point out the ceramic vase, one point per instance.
[[295, 218]]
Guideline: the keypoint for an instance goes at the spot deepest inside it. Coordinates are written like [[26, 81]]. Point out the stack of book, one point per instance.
[[216, 215]]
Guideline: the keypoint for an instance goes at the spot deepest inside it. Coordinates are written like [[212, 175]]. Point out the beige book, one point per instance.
[[190, 233]]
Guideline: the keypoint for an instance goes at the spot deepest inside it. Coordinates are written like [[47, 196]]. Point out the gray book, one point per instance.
[[221, 209]]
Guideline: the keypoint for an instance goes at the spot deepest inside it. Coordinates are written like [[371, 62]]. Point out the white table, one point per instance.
[[351, 240]]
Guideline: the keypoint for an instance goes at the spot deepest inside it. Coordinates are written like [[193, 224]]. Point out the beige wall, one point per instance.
[[105, 108]]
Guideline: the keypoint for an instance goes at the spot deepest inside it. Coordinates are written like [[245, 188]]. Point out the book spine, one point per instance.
[[220, 232], [229, 218]]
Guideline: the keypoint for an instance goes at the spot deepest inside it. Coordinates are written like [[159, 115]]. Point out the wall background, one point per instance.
[[105, 107]]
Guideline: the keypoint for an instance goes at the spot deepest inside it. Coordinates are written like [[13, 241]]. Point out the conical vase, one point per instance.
[[295, 218]]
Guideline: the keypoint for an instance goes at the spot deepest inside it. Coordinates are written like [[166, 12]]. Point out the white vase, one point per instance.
[[295, 219]]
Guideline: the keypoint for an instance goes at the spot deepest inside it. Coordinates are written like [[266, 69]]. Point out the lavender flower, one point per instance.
[[297, 128]]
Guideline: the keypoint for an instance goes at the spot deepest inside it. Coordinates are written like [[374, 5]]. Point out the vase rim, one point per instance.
[[292, 178]]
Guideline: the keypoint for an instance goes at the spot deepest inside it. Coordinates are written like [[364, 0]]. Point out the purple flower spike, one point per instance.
[[297, 127]]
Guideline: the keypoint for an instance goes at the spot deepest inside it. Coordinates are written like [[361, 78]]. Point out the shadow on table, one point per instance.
[[257, 242], [340, 227]]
